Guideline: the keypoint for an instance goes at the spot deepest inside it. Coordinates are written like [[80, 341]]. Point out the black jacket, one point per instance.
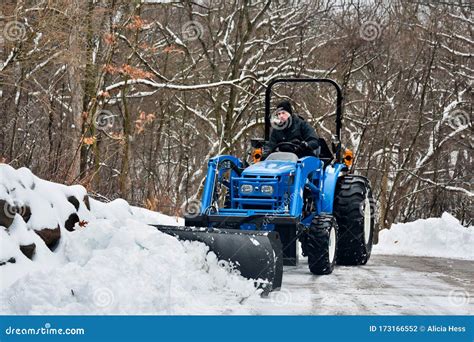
[[298, 129]]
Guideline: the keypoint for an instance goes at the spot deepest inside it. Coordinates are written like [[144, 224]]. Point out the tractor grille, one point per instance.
[[257, 199]]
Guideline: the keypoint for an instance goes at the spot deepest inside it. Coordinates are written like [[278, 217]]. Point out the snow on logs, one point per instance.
[[35, 211]]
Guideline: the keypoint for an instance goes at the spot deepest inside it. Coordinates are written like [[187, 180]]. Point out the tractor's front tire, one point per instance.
[[354, 210], [319, 243]]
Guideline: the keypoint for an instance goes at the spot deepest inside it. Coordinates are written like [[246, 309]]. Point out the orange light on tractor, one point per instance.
[[257, 155], [348, 157]]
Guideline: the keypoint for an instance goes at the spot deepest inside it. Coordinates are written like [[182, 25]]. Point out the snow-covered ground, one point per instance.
[[386, 285], [114, 263]]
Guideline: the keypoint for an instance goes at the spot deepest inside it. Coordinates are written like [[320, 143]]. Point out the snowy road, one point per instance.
[[387, 285]]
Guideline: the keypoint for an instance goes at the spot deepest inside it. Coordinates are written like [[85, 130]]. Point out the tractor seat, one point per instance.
[[287, 156]]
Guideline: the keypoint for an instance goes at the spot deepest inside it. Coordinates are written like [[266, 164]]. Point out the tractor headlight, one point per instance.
[[246, 188], [267, 189]]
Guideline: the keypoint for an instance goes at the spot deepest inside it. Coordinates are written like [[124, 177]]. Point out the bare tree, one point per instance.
[[132, 99]]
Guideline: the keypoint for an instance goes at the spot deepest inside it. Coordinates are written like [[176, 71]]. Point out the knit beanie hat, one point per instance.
[[286, 106]]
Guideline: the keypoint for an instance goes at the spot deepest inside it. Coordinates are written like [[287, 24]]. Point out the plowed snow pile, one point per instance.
[[441, 237], [111, 262]]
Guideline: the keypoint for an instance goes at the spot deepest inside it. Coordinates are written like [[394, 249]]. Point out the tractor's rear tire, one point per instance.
[[354, 210], [319, 243]]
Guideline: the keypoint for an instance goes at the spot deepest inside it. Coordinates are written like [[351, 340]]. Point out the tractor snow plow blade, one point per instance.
[[256, 254]]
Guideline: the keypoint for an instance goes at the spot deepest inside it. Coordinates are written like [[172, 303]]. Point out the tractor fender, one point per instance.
[[331, 174], [304, 167]]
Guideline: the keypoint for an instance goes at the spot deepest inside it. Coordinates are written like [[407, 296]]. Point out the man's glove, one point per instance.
[[296, 141], [302, 147]]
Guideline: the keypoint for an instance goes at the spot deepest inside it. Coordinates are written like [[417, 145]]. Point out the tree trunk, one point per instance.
[[77, 92]]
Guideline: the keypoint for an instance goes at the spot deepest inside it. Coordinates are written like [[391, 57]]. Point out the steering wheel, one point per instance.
[[292, 145]]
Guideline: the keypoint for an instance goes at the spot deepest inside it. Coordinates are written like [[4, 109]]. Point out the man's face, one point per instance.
[[283, 116]]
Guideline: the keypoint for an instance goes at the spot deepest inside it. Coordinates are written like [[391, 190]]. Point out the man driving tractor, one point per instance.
[[290, 128]]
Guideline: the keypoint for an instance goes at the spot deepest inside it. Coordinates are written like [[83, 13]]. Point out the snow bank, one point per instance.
[[111, 263], [441, 237]]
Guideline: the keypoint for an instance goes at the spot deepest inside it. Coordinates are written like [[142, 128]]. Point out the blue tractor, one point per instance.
[[252, 216]]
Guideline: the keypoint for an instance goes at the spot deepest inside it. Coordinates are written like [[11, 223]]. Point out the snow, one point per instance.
[[152, 217], [131, 269], [441, 237], [386, 285], [255, 242], [115, 263]]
